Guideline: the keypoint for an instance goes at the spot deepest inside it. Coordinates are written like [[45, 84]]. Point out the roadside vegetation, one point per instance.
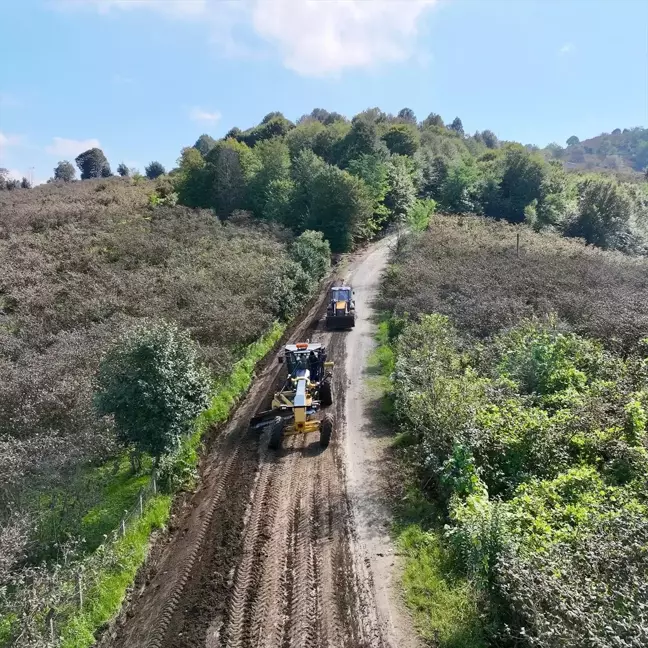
[[521, 410]]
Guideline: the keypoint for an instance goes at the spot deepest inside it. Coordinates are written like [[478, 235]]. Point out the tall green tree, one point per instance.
[[457, 126], [460, 189], [402, 139], [123, 170], [401, 195], [490, 139], [192, 182], [407, 115], [304, 136], [340, 208], [305, 169], [433, 120], [362, 139], [230, 167], [522, 179], [154, 170], [93, 164], [372, 170], [273, 165], [573, 140], [328, 143], [204, 144], [64, 171]]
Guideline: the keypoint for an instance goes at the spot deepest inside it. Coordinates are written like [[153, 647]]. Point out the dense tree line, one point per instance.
[[350, 179]]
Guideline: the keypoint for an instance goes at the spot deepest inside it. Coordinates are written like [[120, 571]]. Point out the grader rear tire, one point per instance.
[[326, 430], [276, 433]]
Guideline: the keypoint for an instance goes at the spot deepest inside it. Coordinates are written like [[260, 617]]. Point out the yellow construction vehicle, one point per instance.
[[306, 390], [340, 313]]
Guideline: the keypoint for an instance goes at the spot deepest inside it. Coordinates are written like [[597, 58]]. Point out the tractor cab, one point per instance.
[[340, 313]]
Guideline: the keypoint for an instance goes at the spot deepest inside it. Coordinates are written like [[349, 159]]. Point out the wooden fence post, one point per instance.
[[123, 527], [141, 502], [80, 588], [517, 246], [154, 483]]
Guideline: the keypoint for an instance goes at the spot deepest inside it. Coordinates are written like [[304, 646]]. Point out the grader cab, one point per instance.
[[296, 408]]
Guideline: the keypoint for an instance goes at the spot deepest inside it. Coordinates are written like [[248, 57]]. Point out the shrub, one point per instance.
[[467, 268], [153, 385], [313, 253]]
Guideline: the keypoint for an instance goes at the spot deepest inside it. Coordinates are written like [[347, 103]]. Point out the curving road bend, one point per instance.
[[286, 549]]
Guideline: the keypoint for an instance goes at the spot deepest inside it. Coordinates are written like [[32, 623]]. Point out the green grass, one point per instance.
[[444, 605], [104, 598]]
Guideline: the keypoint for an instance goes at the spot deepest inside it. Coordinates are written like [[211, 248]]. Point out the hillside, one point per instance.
[[225, 247], [81, 264], [622, 152]]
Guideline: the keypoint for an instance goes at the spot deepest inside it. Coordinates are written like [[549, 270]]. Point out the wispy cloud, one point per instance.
[[9, 140], [566, 49], [120, 79], [313, 38], [200, 115], [70, 148], [8, 101]]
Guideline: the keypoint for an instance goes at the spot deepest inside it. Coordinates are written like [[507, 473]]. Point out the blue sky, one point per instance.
[[143, 78]]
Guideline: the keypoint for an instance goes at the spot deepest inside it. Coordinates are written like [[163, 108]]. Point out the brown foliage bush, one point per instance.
[[79, 264], [467, 268]]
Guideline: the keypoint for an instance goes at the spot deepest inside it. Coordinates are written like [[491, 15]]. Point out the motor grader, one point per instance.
[[296, 407], [340, 312]]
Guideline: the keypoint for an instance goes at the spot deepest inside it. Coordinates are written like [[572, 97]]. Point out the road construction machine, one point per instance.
[[340, 313], [296, 408]]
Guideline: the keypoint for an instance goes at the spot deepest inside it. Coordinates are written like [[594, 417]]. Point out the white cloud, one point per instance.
[[9, 140], [322, 38], [120, 79], [69, 148], [313, 37], [198, 114], [567, 48]]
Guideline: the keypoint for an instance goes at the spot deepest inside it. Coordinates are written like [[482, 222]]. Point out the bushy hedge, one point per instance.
[[535, 443]]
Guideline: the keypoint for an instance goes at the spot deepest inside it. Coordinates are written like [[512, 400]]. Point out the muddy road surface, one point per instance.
[[282, 549]]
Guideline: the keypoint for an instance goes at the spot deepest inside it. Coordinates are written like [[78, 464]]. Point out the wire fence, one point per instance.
[[42, 609]]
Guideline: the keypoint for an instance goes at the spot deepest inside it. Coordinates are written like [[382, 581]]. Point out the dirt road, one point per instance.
[[283, 549]]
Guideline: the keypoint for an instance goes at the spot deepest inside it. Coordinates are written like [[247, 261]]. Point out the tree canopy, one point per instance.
[[93, 164]]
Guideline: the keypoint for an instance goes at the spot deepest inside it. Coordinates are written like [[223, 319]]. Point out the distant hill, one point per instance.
[[621, 151]]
